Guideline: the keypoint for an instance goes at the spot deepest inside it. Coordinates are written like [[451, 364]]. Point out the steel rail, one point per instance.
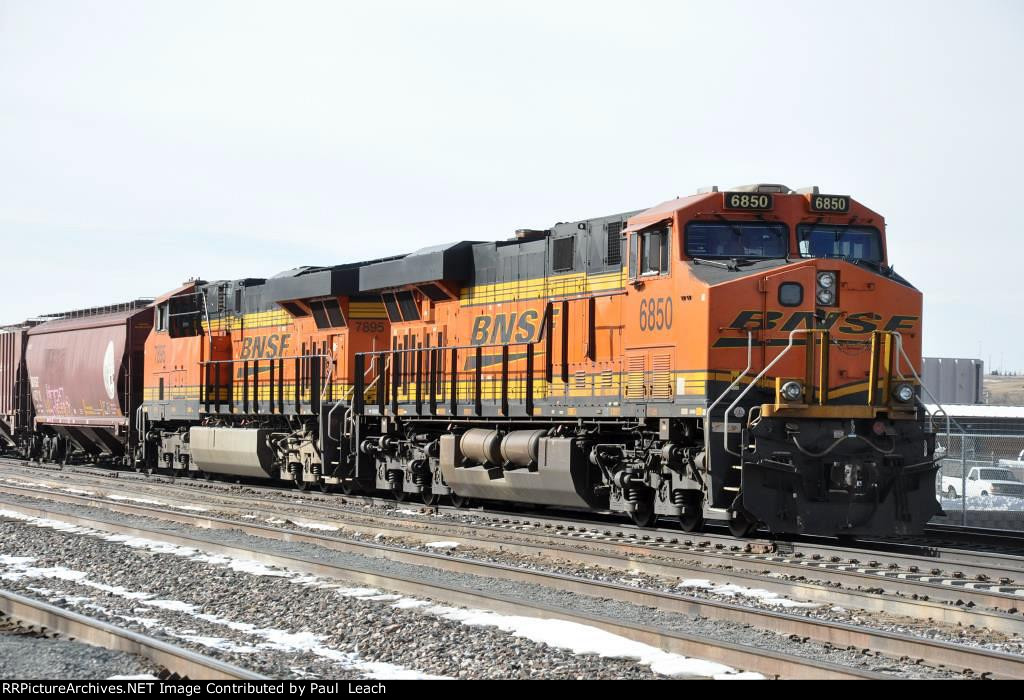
[[807, 553], [910, 550], [771, 663], [950, 590], [842, 635], [918, 601], [51, 619]]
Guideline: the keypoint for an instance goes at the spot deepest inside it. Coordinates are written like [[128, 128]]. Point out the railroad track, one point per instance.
[[869, 585], [51, 620], [899, 646], [947, 551]]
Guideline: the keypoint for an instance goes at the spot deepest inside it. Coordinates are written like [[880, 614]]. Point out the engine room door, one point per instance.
[[339, 384]]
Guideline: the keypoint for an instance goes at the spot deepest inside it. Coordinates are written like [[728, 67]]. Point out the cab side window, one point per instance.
[[651, 250]]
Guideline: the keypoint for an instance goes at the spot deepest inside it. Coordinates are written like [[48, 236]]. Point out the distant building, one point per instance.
[[986, 420], [954, 380]]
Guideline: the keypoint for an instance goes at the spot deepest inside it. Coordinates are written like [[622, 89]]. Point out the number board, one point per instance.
[[751, 201], [830, 203]]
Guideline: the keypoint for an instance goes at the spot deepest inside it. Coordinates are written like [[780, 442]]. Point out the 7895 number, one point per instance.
[[656, 314]]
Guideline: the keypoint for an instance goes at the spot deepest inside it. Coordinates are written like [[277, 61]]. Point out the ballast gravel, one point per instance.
[[285, 627], [362, 530], [27, 657]]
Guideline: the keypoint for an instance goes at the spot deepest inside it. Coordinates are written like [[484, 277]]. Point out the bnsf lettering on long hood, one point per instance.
[[505, 328], [264, 347]]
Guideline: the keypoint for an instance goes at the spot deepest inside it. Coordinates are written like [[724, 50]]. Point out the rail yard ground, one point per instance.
[[295, 585]]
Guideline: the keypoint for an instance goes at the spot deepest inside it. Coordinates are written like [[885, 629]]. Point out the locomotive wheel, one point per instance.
[[398, 494], [300, 483], [460, 501], [325, 487], [347, 486], [692, 520], [741, 524], [429, 498], [643, 515]]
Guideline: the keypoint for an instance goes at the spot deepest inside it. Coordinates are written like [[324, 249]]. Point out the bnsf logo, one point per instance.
[[502, 329], [858, 323], [264, 347]]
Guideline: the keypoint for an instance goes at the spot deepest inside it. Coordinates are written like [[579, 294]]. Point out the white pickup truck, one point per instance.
[[984, 481]]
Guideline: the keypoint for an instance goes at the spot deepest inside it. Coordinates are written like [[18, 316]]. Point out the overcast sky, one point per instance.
[[144, 142]]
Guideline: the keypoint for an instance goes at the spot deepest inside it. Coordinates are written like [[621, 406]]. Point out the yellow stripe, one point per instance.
[[541, 287]]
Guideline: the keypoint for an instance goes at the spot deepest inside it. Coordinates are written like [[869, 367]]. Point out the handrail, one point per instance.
[[257, 359], [754, 381], [949, 422], [328, 362], [949, 419], [330, 414], [708, 422]]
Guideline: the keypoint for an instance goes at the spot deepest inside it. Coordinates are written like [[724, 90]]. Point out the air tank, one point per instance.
[[481, 446], [520, 447]]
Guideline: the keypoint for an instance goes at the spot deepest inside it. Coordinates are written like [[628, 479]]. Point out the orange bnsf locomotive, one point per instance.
[[746, 356]]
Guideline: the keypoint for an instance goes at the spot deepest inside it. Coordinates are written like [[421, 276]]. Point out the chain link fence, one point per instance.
[[980, 482]]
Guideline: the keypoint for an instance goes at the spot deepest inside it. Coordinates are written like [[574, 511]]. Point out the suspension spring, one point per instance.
[[631, 494], [678, 498]]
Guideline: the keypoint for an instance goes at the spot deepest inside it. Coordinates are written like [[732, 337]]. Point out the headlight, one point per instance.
[[791, 391], [826, 296], [826, 280], [903, 393]]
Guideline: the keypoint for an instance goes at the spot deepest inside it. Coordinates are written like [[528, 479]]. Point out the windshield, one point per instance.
[[854, 242], [740, 239], [997, 475]]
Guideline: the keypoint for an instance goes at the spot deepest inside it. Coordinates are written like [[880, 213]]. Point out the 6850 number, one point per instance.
[[656, 314], [744, 200], [830, 203]]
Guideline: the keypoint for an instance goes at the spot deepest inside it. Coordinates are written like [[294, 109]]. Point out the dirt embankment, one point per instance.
[[1004, 391]]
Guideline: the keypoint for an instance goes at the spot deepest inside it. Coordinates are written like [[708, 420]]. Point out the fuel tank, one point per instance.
[[234, 451]]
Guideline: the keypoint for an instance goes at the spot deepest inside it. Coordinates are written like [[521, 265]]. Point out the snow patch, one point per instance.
[[408, 603], [172, 605], [584, 639], [255, 568], [994, 503], [732, 590], [442, 545], [316, 526], [357, 592], [139, 677]]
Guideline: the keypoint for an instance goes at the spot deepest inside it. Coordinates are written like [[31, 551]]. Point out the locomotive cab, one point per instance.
[[807, 379]]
